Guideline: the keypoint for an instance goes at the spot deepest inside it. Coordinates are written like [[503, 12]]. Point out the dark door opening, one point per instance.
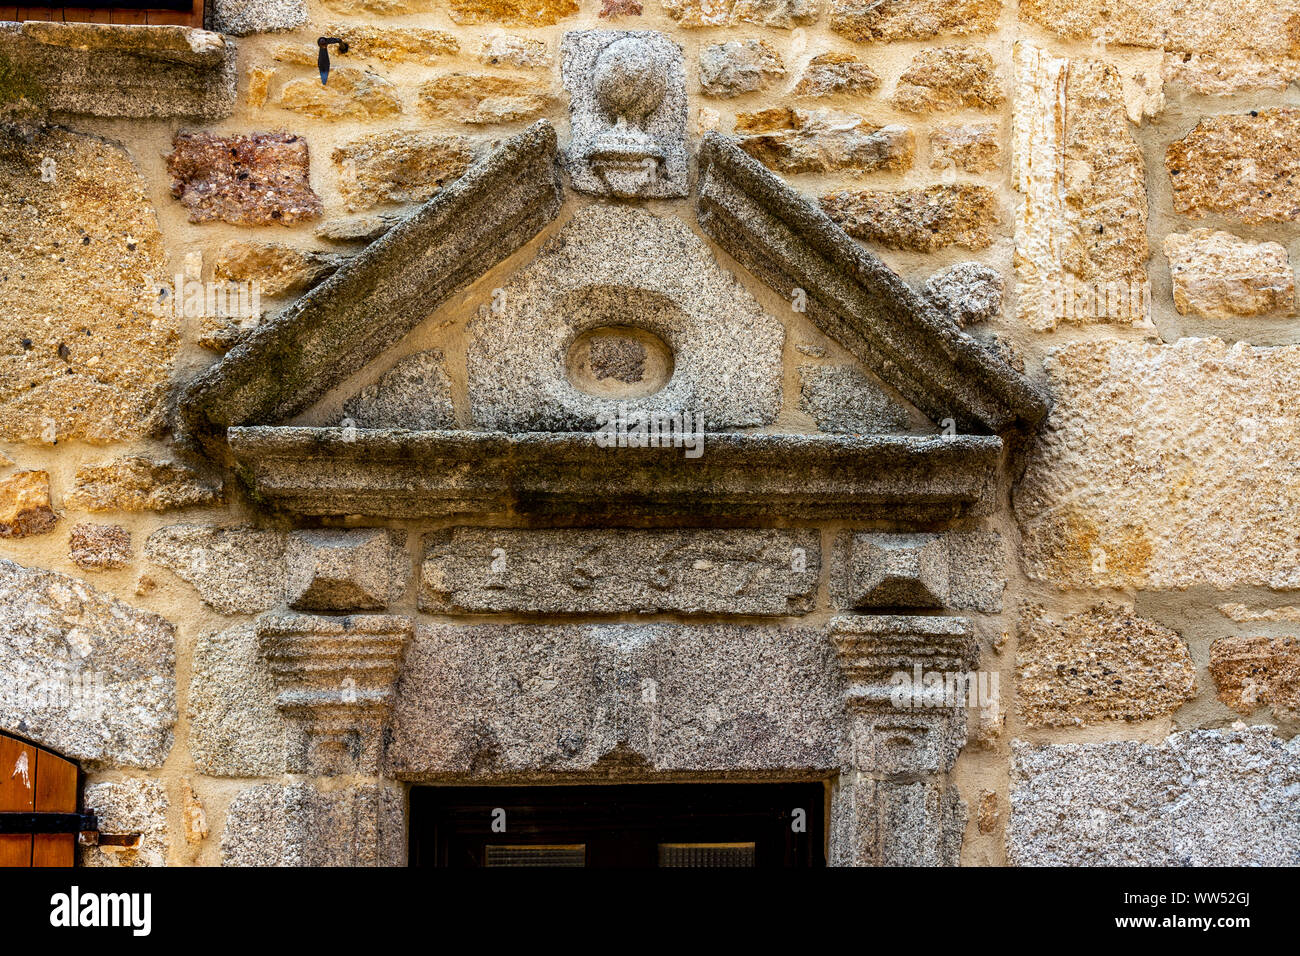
[[625, 825]]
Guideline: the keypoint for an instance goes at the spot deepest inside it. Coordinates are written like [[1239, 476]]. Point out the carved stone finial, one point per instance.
[[335, 678], [628, 111]]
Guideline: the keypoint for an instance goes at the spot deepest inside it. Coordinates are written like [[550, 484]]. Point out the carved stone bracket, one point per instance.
[[909, 683], [335, 678]]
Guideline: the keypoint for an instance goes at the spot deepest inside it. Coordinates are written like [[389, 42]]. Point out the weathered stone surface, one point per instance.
[[83, 673], [390, 44], [948, 78], [970, 147], [383, 8], [513, 13], [610, 9], [964, 571], [236, 570], [509, 49], [1241, 166], [276, 269], [900, 823], [607, 264], [252, 180], [1224, 45], [25, 505], [1102, 664], [235, 727], [1164, 467], [1250, 672], [195, 820], [867, 20], [99, 69], [1246, 615], [782, 14], [831, 73], [732, 572], [385, 291], [1081, 234], [484, 98], [853, 297], [136, 483], [627, 113], [85, 353], [476, 475], [1200, 798], [820, 141], [356, 228], [99, 547], [1217, 275], [298, 825], [920, 220], [970, 292], [132, 806], [399, 167], [739, 66], [414, 393], [842, 400], [351, 94], [346, 570], [498, 699], [242, 18]]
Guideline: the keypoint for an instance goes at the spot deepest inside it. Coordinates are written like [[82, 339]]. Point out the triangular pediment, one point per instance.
[[616, 308]]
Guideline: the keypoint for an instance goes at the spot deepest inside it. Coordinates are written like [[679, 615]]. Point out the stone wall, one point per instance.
[[1105, 193]]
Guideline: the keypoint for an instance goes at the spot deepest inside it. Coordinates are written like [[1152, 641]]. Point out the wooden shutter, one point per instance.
[[188, 13], [36, 780]]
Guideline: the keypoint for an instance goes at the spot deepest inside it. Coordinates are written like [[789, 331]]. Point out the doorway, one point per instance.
[[620, 825]]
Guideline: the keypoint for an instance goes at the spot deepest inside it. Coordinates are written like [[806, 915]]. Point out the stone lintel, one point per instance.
[[855, 298], [383, 293], [138, 72], [391, 473], [335, 678]]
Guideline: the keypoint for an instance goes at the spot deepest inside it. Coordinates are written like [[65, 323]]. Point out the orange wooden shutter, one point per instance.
[[32, 779]]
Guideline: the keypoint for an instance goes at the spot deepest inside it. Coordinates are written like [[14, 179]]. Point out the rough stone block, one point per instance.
[[275, 269], [82, 673], [484, 98], [1134, 455], [134, 806], [1241, 166], [970, 292], [1200, 798], [607, 267], [346, 570], [959, 570], [843, 400], [780, 14], [350, 94], [390, 44], [99, 547], [399, 167], [829, 74], [236, 570], [25, 505], [1251, 672], [638, 698], [513, 13], [1218, 276], [820, 141], [236, 730], [900, 823], [739, 66], [252, 180], [919, 220], [136, 483], [242, 18], [298, 825], [968, 147], [86, 353], [869, 20], [1081, 232], [509, 49], [1102, 664], [734, 572], [948, 78]]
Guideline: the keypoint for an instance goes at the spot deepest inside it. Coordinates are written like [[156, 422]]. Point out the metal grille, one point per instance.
[[571, 854], [706, 854]]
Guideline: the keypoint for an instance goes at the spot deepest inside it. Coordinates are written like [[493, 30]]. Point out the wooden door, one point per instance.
[[36, 780]]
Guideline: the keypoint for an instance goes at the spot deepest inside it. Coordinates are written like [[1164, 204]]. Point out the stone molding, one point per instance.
[[473, 224], [402, 474], [335, 678], [855, 298]]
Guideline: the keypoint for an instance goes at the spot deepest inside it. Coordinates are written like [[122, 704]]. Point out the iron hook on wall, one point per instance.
[[323, 58]]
